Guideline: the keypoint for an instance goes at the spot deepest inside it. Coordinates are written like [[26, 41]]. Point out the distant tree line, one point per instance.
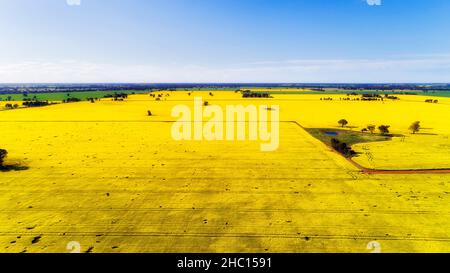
[[117, 96], [36, 103], [250, 94], [69, 100]]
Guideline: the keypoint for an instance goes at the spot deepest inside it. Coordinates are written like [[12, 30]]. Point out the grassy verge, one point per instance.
[[59, 96], [348, 137]]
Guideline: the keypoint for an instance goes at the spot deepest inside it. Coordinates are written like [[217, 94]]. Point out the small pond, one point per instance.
[[331, 134]]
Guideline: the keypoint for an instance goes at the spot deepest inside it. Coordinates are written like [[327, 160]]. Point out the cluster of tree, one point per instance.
[[431, 101], [68, 100], [326, 98], [342, 148], [391, 97], [250, 94], [35, 103], [117, 96], [92, 100], [384, 129], [371, 99], [3, 154], [371, 95], [159, 96], [11, 106], [370, 128], [377, 97]]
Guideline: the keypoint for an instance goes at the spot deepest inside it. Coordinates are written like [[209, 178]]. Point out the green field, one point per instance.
[[83, 95], [347, 136], [59, 96]]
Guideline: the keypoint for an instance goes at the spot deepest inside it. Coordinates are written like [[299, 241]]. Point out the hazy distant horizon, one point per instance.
[[274, 84]]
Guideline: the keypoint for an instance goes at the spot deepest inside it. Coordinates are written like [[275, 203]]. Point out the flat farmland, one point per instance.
[[113, 179]]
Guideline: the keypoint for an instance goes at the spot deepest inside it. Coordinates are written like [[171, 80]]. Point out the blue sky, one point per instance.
[[224, 41]]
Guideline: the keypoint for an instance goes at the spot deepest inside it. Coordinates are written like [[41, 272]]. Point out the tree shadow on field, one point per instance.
[[13, 167], [426, 134]]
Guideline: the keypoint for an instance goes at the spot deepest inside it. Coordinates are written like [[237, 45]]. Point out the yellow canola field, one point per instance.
[[277, 89], [427, 149], [111, 178]]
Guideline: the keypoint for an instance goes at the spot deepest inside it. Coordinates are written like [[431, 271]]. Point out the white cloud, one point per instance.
[[433, 68], [73, 2], [374, 2]]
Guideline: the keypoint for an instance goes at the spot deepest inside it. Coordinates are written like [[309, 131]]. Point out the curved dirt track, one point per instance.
[[416, 171]]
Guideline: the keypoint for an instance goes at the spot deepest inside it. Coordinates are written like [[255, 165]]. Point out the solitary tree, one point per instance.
[[3, 154], [415, 127], [343, 122], [371, 128], [149, 113], [384, 129]]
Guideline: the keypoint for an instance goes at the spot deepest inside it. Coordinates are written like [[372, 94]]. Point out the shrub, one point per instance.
[[415, 127], [35, 103], [371, 128], [3, 154], [72, 100], [384, 129], [342, 148], [250, 94], [149, 113]]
